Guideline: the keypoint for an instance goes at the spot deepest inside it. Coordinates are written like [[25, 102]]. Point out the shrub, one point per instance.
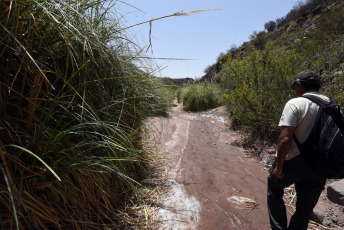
[[257, 84], [167, 94], [199, 97], [258, 39], [333, 86], [179, 94], [330, 24], [258, 87]]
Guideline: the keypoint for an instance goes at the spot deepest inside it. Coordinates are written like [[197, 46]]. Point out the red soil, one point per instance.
[[213, 183]]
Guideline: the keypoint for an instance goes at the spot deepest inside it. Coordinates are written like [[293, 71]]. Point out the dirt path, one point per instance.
[[213, 184]]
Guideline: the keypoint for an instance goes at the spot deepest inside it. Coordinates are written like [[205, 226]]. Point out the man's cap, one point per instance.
[[306, 76]]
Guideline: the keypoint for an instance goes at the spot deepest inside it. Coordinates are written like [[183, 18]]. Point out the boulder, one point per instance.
[[328, 214], [335, 192]]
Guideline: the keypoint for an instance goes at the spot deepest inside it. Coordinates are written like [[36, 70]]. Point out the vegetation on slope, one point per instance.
[[177, 82], [257, 76], [72, 105], [302, 17]]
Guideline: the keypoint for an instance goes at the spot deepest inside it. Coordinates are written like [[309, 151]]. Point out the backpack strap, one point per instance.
[[339, 119], [316, 100], [296, 141]]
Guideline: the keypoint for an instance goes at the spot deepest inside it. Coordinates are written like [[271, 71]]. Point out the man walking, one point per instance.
[[290, 167]]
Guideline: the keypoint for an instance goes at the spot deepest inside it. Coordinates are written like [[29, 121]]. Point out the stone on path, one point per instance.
[[335, 192]]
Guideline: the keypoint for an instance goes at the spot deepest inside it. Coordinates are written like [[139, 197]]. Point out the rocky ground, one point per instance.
[[213, 182]]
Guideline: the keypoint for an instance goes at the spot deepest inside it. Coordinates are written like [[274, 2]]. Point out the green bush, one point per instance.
[[199, 97], [258, 84], [258, 39], [333, 86], [330, 24], [258, 87]]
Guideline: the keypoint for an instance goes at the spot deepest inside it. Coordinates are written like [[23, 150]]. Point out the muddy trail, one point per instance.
[[212, 182]]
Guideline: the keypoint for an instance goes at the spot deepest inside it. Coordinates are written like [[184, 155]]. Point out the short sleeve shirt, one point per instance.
[[301, 113]]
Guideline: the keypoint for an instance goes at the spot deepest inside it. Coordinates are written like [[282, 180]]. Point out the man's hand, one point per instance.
[[278, 173]]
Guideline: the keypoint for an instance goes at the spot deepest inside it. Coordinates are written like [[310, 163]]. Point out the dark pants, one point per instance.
[[308, 186]]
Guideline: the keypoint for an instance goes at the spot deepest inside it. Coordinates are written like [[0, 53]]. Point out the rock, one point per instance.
[[328, 214], [334, 219], [335, 192]]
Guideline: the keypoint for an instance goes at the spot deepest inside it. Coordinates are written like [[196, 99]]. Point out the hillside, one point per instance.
[[302, 19], [256, 76], [176, 82]]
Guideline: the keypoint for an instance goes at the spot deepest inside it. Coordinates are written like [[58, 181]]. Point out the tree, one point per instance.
[[270, 26], [280, 22]]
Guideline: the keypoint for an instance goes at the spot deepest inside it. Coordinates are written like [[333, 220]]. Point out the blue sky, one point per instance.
[[198, 37]]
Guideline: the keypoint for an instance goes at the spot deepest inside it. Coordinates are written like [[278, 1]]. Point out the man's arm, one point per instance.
[[284, 142]]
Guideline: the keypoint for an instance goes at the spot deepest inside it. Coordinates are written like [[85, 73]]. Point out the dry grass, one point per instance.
[[180, 13], [141, 212]]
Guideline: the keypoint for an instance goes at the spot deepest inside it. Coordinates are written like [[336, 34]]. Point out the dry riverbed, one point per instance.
[[212, 183]]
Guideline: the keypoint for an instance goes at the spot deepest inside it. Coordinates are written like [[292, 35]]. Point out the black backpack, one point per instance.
[[324, 148]]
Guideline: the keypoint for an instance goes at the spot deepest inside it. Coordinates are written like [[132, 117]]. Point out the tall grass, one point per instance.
[[71, 104], [198, 97]]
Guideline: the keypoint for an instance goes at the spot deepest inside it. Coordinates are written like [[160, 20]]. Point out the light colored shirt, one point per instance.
[[301, 113]]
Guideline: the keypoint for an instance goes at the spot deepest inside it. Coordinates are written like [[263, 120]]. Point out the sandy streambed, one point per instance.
[[206, 173]]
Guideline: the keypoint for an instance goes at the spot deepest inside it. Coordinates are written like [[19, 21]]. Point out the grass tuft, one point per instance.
[[197, 97], [72, 106]]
